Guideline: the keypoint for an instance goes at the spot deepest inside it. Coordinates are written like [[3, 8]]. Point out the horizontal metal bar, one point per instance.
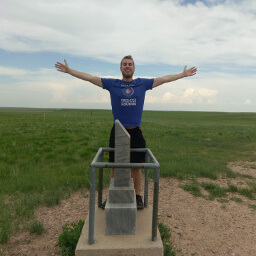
[[125, 165], [105, 149], [132, 149], [108, 149], [97, 161]]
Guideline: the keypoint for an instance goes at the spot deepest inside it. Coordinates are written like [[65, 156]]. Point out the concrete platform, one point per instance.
[[123, 245]]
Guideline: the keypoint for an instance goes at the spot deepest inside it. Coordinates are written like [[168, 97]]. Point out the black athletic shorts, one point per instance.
[[137, 141]]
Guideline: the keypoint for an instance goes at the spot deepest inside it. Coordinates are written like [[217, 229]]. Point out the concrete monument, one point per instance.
[[121, 207], [116, 234]]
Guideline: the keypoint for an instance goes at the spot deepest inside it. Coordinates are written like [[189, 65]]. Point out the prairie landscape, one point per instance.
[[208, 172]]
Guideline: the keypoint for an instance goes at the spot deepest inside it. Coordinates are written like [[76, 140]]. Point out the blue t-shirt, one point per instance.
[[127, 98]]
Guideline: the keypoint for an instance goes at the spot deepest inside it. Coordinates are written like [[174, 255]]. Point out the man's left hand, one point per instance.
[[189, 72]]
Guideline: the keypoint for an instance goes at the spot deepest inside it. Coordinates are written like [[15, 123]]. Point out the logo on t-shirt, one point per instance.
[[128, 91]]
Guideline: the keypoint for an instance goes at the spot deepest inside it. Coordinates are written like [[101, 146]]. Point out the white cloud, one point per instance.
[[188, 96], [48, 88], [192, 95], [59, 93], [205, 33], [248, 102], [94, 99], [7, 71], [168, 96], [165, 98]]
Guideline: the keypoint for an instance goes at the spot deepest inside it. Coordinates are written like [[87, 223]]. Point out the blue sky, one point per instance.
[[216, 36]]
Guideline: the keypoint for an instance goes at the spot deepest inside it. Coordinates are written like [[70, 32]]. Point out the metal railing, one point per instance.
[[98, 163]]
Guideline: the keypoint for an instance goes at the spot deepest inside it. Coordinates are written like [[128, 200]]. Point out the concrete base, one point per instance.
[[121, 245], [121, 210], [120, 219]]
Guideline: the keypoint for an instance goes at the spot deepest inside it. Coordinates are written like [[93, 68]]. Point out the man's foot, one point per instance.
[[140, 204]]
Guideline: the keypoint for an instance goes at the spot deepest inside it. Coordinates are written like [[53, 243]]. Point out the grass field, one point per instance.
[[46, 154]]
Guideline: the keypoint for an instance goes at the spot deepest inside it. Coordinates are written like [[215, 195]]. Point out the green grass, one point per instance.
[[45, 156], [200, 144], [165, 233], [236, 199], [193, 187], [36, 228], [252, 206], [214, 190], [69, 237]]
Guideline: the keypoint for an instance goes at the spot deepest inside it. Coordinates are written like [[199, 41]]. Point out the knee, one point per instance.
[[135, 171]]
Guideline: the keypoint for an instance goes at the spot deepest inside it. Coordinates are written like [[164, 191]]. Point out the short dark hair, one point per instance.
[[129, 57]]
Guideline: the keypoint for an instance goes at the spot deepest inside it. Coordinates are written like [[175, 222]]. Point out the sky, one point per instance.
[[216, 36]]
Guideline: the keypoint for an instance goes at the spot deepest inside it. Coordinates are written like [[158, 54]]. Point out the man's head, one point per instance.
[[127, 67]]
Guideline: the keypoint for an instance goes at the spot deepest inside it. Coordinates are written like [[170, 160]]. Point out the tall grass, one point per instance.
[[44, 156], [200, 144]]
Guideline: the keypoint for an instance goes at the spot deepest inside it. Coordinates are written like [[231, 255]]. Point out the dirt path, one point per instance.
[[199, 226]]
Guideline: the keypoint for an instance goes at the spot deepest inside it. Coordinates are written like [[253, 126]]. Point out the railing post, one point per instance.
[[100, 181], [146, 182], [155, 204], [92, 205]]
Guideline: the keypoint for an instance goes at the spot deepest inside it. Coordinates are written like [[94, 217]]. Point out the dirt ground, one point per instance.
[[198, 226]]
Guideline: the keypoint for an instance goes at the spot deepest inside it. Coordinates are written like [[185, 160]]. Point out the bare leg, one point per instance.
[[136, 175], [112, 173]]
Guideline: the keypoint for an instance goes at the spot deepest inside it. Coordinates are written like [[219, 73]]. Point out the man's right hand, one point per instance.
[[81, 75], [62, 68]]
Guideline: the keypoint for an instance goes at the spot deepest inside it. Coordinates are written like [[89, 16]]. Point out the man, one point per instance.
[[127, 100]]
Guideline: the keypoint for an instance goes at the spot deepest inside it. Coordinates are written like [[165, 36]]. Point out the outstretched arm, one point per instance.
[[84, 76], [169, 78]]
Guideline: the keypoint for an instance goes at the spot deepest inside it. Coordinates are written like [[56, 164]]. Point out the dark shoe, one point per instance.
[[103, 205], [140, 204]]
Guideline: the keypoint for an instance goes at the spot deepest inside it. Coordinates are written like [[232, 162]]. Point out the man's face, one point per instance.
[[127, 68]]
